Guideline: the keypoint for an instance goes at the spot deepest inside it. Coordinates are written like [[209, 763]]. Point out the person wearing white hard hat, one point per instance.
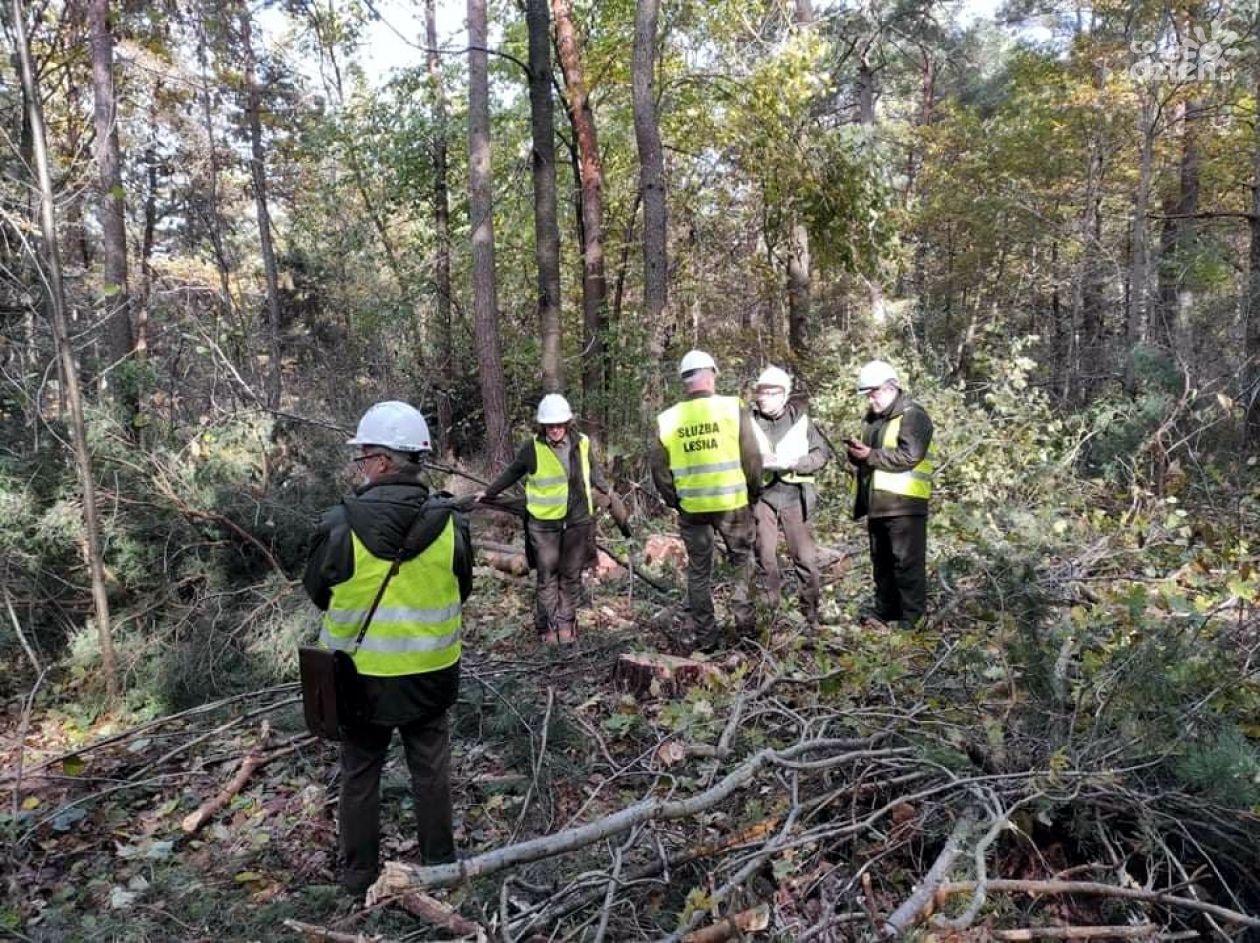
[[706, 464], [562, 487], [792, 453], [391, 566], [894, 463]]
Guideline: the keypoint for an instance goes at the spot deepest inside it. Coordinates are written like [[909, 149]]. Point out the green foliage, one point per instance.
[[1224, 767]]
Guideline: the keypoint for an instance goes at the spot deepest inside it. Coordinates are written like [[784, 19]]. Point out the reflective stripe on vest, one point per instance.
[[793, 447], [417, 624], [701, 437], [547, 489], [915, 483]]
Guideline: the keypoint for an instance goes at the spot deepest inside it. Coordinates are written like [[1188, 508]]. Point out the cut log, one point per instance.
[[515, 564], [674, 674]]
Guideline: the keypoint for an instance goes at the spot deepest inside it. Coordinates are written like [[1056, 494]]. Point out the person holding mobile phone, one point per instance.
[[894, 464]]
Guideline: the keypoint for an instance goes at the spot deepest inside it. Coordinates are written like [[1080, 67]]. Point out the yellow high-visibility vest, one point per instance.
[[915, 483], [416, 628], [547, 489], [701, 437], [791, 448]]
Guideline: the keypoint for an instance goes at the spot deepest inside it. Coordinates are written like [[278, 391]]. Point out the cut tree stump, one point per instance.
[[674, 674], [665, 549], [606, 567]]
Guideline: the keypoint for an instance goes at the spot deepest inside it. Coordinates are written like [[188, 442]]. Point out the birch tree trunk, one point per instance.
[[798, 265], [65, 354], [546, 224], [866, 116], [481, 209]]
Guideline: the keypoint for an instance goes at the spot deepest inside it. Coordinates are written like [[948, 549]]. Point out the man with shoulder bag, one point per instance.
[[391, 566]]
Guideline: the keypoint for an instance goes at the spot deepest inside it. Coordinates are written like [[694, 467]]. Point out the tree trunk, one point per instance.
[[445, 342], [798, 272], [1139, 262], [866, 115], [546, 224], [258, 170], [1251, 367], [65, 354], [481, 210], [116, 309], [213, 223], [1085, 309], [150, 229], [647, 136], [591, 179]]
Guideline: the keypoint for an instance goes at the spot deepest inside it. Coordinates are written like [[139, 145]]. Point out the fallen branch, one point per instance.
[[1140, 931], [253, 759], [1095, 889], [313, 932], [914, 905], [536, 849], [431, 910], [752, 920]]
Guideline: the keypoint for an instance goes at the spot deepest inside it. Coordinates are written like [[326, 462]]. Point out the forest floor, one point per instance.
[[853, 782]]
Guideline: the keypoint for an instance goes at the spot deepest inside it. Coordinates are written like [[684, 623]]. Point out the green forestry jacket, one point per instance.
[[914, 439], [380, 515]]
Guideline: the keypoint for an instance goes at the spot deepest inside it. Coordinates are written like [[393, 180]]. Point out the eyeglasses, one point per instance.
[[359, 460]]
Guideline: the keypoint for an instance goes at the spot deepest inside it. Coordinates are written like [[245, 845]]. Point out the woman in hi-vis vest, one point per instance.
[[560, 484]]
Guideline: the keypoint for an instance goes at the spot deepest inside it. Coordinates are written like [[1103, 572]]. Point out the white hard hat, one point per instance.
[[775, 376], [393, 425], [554, 409], [696, 360], [874, 375]]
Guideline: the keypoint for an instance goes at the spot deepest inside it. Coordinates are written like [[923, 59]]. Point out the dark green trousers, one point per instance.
[[427, 746], [738, 530]]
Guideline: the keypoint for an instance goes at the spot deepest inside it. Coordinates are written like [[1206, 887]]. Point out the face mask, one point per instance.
[[771, 403]]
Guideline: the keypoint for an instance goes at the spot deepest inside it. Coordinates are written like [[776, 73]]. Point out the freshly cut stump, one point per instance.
[[674, 674]]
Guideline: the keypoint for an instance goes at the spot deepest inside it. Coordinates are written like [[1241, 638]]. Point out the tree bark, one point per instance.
[[258, 170], [481, 210], [647, 136], [866, 115], [546, 221], [65, 354], [1139, 263], [1251, 367], [213, 223], [798, 262], [116, 309], [444, 340], [591, 179]]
